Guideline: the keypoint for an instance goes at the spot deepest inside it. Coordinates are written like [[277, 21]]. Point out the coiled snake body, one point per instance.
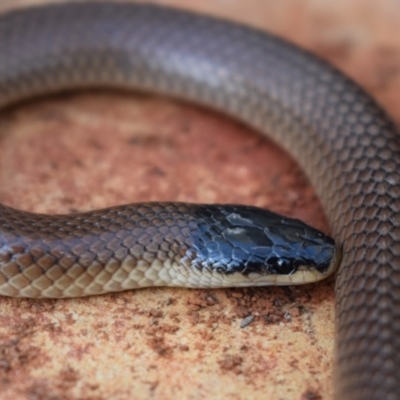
[[347, 145]]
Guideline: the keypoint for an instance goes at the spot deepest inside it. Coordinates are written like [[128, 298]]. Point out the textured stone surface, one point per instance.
[[86, 151]]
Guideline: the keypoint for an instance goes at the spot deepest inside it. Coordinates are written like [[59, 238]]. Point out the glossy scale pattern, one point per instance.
[[156, 244]]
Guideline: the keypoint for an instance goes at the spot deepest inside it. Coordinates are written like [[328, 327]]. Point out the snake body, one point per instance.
[[346, 144]]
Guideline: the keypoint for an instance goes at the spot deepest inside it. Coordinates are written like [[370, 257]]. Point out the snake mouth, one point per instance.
[[302, 275]]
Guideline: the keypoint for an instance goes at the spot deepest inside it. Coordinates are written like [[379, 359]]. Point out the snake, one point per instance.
[[345, 142]]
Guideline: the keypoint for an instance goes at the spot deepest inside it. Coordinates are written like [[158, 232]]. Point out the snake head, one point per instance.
[[244, 245]]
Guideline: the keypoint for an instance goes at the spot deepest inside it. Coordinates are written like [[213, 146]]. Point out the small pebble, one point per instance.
[[246, 321]]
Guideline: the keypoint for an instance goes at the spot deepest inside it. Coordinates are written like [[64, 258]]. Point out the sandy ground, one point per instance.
[[96, 149]]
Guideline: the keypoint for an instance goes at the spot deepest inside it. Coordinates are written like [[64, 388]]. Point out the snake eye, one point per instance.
[[281, 266]]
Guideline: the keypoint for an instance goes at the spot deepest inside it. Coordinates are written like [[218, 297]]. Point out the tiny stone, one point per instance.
[[246, 321]]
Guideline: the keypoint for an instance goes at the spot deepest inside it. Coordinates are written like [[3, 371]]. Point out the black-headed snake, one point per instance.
[[346, 144]]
